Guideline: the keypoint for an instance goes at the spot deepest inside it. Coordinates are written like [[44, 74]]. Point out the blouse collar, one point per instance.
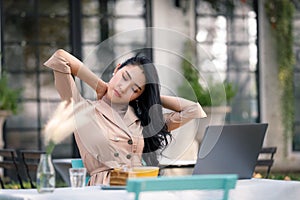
[[129, 117]]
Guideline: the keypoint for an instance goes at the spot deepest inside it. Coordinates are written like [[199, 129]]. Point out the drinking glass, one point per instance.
[[77, 177]]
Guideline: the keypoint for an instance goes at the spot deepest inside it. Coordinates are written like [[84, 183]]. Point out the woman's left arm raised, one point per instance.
[[183, 111]]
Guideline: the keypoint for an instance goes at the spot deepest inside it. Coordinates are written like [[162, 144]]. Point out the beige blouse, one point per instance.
[[108, 140]]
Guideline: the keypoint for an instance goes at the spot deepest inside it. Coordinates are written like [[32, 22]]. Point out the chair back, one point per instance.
[[9, 161], [196, 182], [31, 159], [267, 159], [77, 163]]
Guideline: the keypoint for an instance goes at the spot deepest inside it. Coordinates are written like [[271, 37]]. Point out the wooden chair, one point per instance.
[[9, 162], [195, 182], [31, 160], [267, 162]]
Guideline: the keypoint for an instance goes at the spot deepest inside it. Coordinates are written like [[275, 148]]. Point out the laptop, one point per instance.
[[230, 149]]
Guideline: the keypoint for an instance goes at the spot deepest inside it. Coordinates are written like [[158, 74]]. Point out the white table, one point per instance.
[[254, 189]]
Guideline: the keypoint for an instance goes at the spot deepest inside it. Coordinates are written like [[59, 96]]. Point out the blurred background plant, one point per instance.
[[8, 96], [211, 94], [280, 14]]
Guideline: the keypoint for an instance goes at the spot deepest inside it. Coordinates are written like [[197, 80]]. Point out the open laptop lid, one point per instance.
[[230, 149]]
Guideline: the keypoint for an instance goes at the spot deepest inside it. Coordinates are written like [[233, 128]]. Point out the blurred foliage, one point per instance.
[[280, 14], [210, 95], [8, 96], [10, 184], [288, 176], [285, 176]]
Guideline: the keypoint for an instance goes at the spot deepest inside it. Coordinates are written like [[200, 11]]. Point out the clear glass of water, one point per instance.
[[77, 177]]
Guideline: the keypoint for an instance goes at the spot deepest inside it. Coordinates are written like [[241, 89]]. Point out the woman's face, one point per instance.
[[127, 84]]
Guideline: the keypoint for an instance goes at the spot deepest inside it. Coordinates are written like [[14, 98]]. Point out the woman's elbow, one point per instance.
[[60, 52], [198, 111]]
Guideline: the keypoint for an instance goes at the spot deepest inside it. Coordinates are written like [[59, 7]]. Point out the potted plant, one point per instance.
[[8, 103], [214, 94], [211, 94], [8, 96]]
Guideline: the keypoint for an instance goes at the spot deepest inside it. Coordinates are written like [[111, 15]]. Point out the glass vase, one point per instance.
[[45, 174]]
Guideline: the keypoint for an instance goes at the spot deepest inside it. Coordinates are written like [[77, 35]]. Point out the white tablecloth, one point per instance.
[[254, 189]]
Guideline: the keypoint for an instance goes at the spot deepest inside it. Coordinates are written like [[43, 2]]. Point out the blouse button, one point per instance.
[[128, 156], [117, 139], [130, 142], [116, 154]]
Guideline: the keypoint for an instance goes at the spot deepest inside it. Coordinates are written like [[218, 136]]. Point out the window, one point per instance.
[[32, 30], [230, 37]]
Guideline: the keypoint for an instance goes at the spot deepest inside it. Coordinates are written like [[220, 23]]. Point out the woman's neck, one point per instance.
[[120, 108]]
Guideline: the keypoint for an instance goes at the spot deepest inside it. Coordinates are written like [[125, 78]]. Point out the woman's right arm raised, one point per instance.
[[64, 64]]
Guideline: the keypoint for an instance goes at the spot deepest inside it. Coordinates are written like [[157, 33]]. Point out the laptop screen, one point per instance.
[[230, 149]]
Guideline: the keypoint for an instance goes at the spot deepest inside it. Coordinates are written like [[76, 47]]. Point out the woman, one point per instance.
[[127, 122]]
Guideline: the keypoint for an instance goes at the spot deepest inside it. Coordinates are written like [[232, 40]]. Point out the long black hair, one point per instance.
[[148, 109]]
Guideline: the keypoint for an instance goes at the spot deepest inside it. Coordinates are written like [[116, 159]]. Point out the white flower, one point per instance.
[[65, 120]]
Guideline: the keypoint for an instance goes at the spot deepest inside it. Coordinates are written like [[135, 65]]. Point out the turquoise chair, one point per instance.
[[195, 182], [77, 163]]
